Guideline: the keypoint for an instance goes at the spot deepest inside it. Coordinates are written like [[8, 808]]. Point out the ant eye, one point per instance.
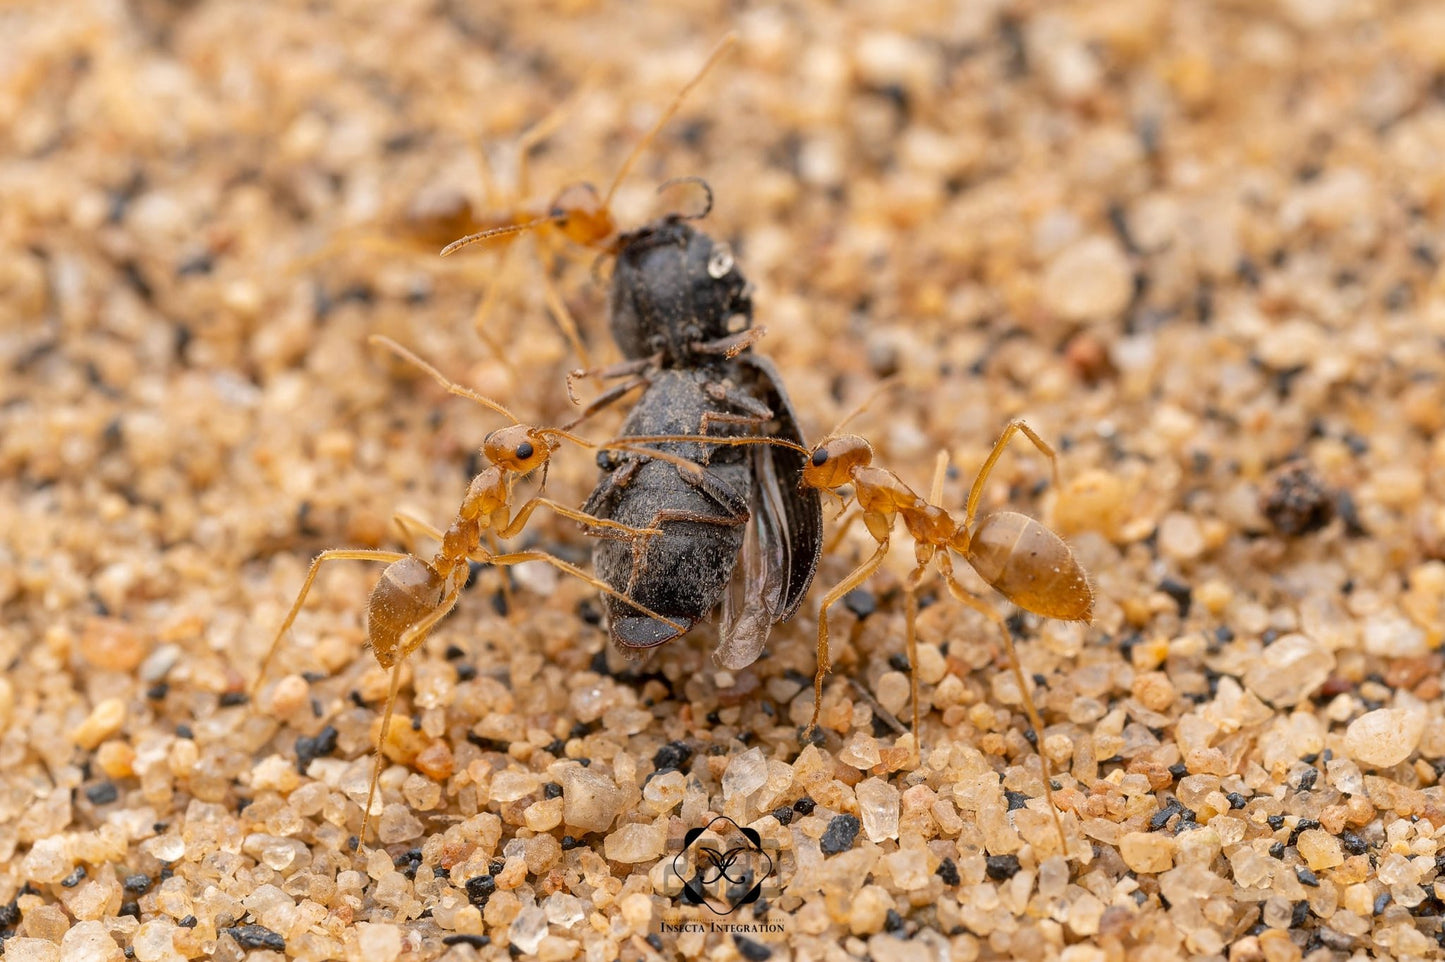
[[524, 450], [820, 458], [719, 262]]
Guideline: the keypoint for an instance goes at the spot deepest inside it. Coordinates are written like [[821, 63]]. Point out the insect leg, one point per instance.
[[332, 555], [517, 557], [984, 608], [1014, 427], [519, 521], [411, 526], [563, 318], [859, 575], [410, 639]]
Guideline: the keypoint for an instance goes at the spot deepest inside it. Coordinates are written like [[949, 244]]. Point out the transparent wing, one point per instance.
[[756, 594]]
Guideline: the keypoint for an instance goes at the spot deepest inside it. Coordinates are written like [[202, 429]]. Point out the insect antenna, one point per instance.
[[451, 387], [722, 47], [707, 194], [480, 236]]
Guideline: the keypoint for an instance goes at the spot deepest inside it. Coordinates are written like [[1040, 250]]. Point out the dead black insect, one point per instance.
[[738, 528]]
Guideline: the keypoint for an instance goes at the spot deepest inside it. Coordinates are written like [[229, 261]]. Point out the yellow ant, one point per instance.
[[413, 595], [1019, 557]]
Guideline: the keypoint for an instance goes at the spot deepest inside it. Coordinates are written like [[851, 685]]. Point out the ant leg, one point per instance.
[[335, 554], [485, 306], [377, 765], [733, 344], [517, 557], [722, 46], [1014, 427], [940, 471], [409, 641], [545, 127], [607, 398], [519, 520], [448, 385], [495, 548], [411, 526], [910, 634], [984, 608], [859, 575], [563, 318], [847, 516]]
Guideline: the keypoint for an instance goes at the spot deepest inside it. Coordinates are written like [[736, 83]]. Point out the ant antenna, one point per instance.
[[707, 192], [873, 395], [635, 443], [722, 46], [479, 236], [441, 379]]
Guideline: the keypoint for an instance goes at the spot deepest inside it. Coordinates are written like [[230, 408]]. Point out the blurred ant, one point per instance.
[[430, 220], [1024, 561], [579, 214], [413, 595]]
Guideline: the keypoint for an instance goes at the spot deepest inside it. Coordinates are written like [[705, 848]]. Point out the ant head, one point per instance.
[[674, 288], [582, 216], [832, 462], [518, 448]]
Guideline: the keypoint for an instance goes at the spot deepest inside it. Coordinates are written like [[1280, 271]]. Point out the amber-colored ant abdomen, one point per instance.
[[1029, 565], [409, 590]]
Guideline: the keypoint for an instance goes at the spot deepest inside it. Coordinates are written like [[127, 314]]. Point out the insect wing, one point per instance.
[[755, 595], [801, 518]]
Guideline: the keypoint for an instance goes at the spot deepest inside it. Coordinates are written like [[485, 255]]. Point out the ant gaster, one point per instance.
[[413, 595], [1024, 561]]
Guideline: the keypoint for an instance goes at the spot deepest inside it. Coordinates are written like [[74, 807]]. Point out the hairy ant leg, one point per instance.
[[825, 664]]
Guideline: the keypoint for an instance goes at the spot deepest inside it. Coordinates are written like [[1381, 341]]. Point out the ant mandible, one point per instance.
[[413, 595]]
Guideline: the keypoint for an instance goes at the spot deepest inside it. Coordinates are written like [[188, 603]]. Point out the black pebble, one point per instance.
[[672, 755], [1306, 877], [256, 937], [102, 793], [804, 806], [136, 883], [1182, 594], [784, 814], [475, 941], [861, 602], [841, 833], [1016, 800], [1001, 868], [320, 745], [750, 950], [480, 889], [948, 871]]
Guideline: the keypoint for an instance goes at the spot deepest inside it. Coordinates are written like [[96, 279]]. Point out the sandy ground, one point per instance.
[[1195, 245]]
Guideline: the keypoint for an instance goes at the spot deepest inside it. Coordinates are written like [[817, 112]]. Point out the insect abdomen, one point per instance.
[[1031, 566]]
